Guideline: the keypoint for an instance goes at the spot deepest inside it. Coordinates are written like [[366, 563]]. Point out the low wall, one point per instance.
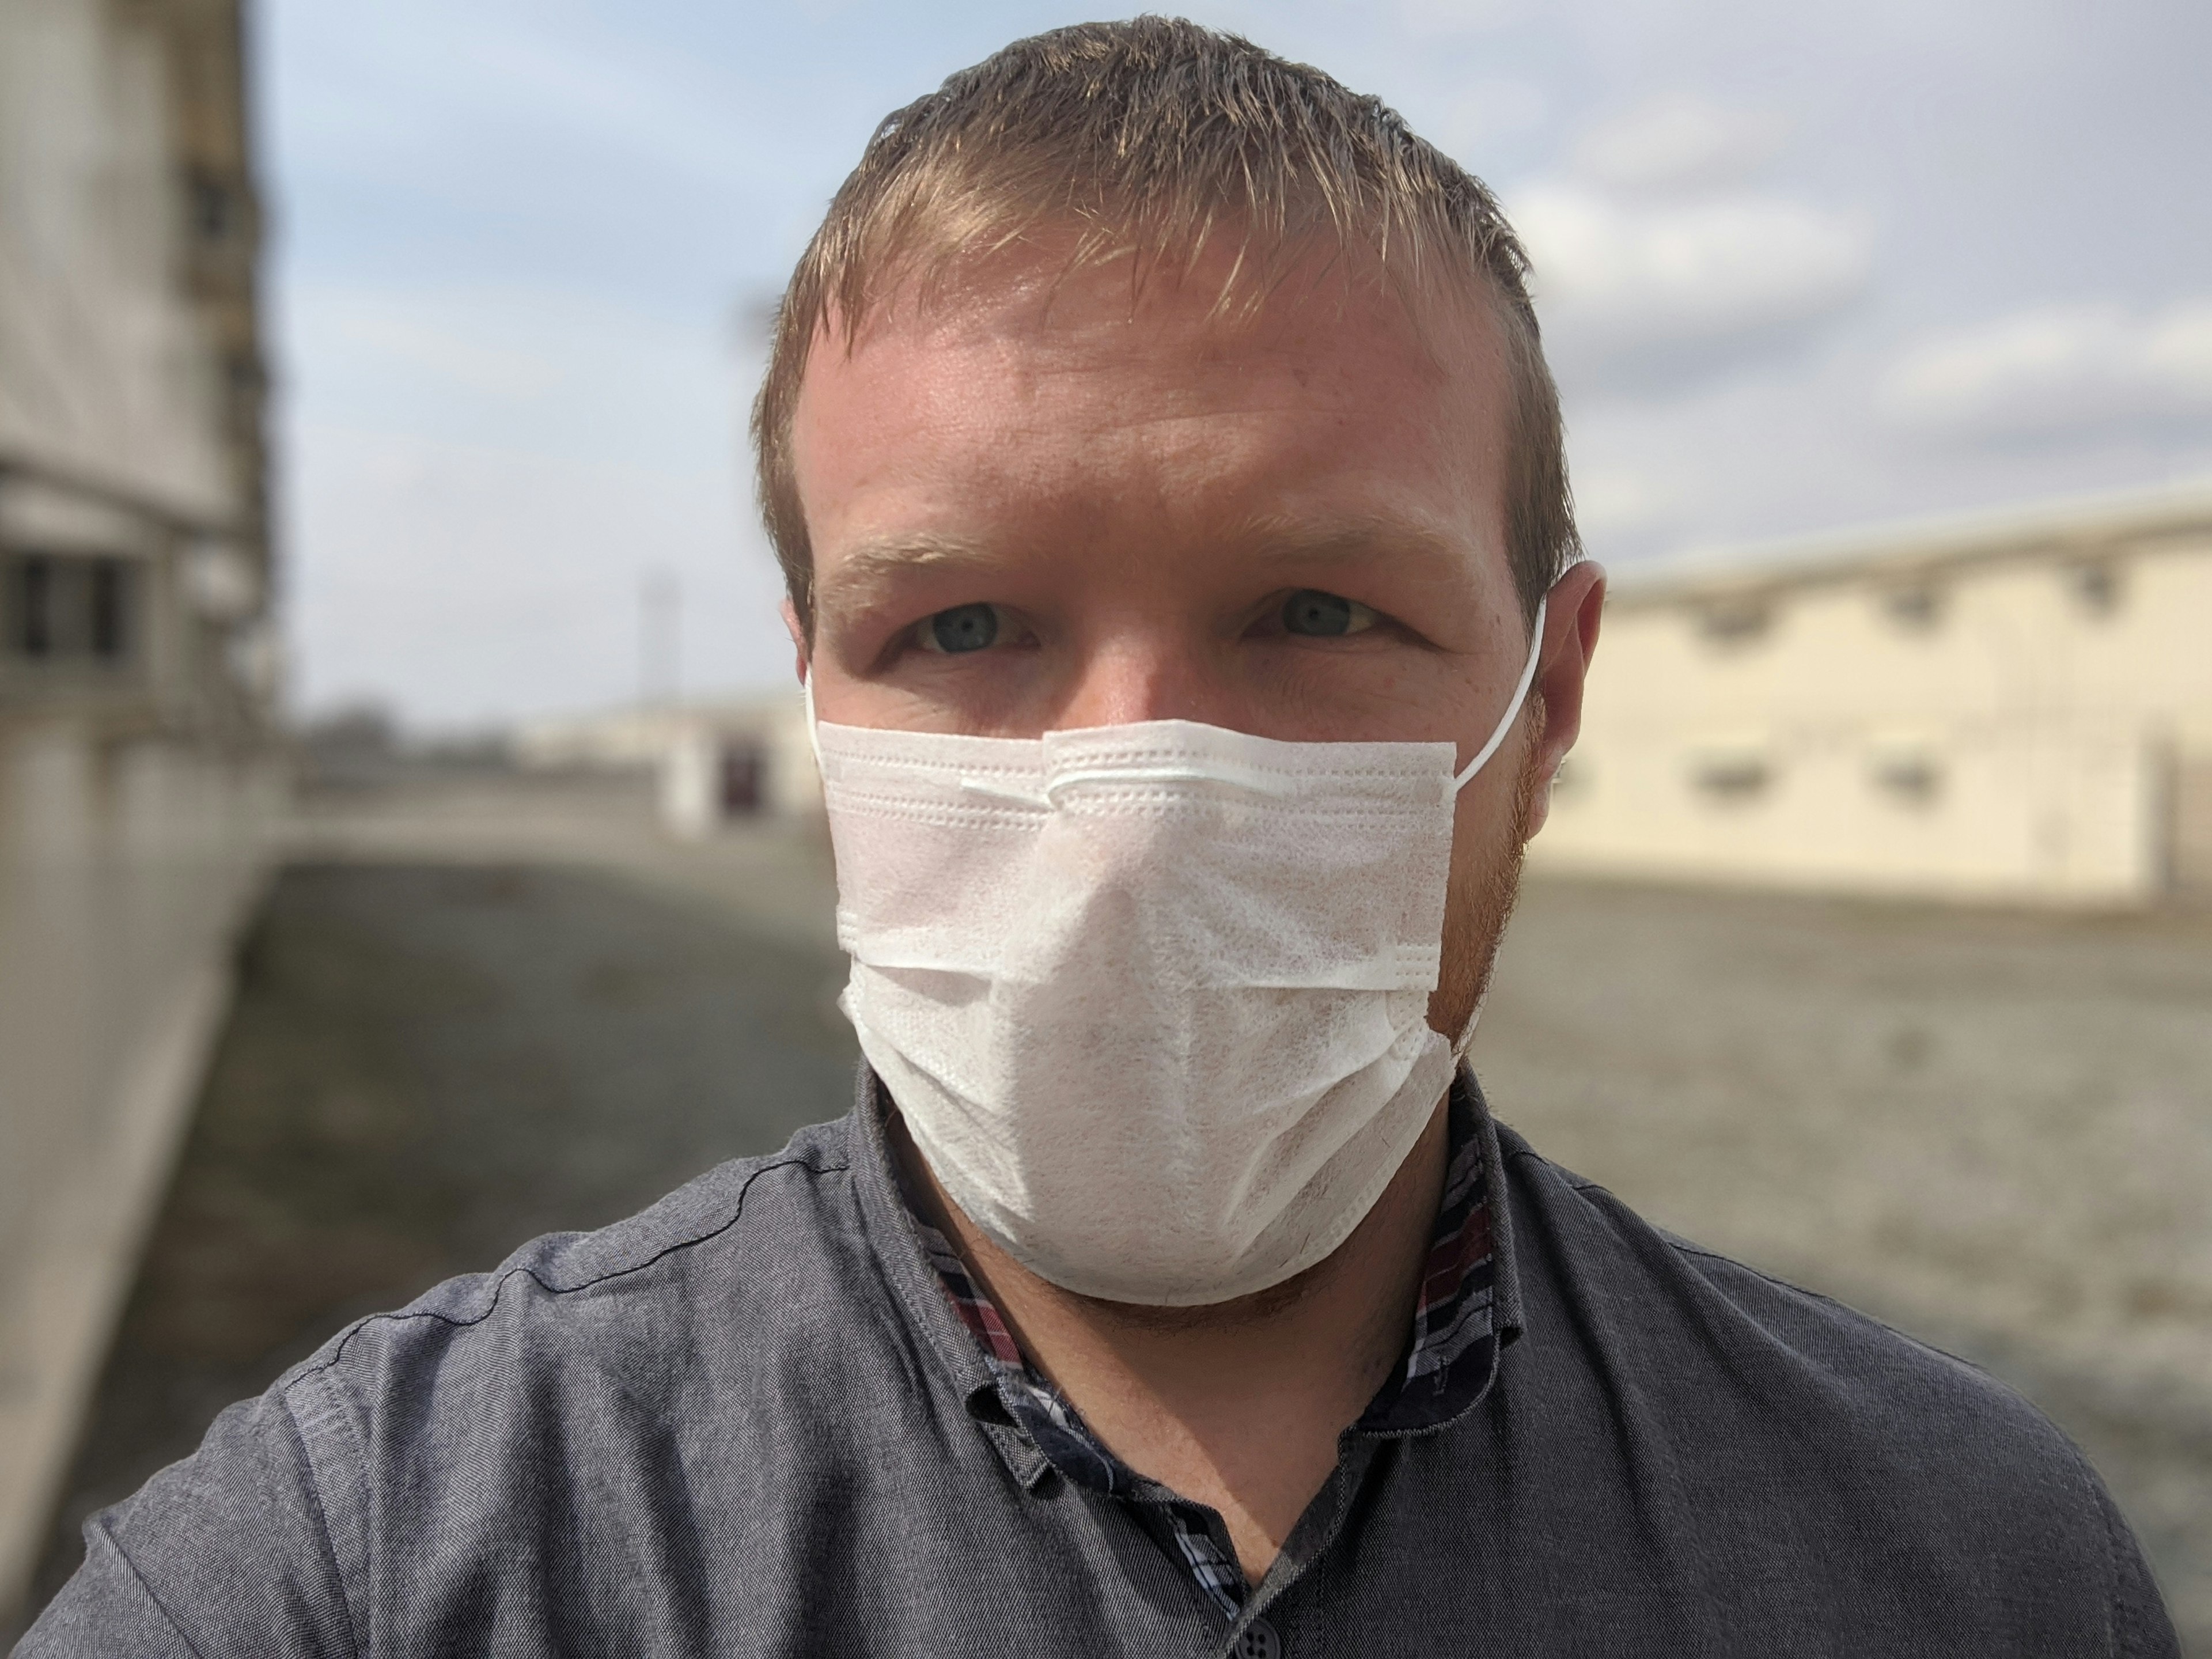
[[127, 863]]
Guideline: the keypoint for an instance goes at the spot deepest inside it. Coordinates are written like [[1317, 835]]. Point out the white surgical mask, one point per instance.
[[1152, 999]]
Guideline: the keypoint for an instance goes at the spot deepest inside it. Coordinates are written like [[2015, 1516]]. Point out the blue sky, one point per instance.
[[1801, 268]]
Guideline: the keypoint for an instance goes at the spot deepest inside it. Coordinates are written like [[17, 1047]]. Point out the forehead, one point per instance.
[[1029, 381]]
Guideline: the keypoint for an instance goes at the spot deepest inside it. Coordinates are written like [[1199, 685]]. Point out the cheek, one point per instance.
[[1488, 834], [1489, 827]]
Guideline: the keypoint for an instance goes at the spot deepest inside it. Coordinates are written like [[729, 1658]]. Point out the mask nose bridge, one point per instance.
[[1460, 780]]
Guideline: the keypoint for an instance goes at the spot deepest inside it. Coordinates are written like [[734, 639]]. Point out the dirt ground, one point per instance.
[[1993, 1129], [425, 1067]]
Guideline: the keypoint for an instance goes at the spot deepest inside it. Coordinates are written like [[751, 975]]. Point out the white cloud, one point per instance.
[[1676, 142], [1635, 293], [2059, 371], [1659, 260]]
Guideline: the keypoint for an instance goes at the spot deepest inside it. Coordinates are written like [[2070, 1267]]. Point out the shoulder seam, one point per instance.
[[499, 1285], [1568, 1175], [1683, 1246]]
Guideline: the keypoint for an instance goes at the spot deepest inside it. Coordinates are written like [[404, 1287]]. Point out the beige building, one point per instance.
[[137, 666], [2013, 707]]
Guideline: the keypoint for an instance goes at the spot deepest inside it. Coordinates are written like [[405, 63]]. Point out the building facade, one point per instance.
[[716, 764], [2006, 709], [137, 663]]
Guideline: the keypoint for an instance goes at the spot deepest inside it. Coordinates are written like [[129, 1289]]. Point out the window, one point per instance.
[[1735, 621], [68, 607], [1732, 780], [2095, 585], [1908, 780], [1916, 607], [212, 205]]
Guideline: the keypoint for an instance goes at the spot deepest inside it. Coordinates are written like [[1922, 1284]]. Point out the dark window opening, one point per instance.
[[1916, 607], [1731, 779], [740, 782], [2096, 585], [210, 208], [107, 609], [35, 602], [63, 607], [1908, 780], [1736, 622]]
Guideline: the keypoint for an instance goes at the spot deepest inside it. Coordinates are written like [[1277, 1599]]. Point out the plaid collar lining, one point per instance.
[[1450, 1359]]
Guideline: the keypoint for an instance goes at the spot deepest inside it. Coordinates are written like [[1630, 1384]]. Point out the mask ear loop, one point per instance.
[[1497, 741], [813, 731], [1512, 709]]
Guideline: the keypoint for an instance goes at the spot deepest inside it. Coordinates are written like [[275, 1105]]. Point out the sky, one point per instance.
[[1800, 268]]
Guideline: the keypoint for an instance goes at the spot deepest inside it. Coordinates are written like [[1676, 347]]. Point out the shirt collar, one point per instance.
[[1469, 1308], [1452, 1354], [895, 1238]]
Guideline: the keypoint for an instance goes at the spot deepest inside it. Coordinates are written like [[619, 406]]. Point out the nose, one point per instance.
[[1140, 674]]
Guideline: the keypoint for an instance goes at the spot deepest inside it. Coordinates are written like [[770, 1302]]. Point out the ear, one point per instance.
[[798, 639], [1571, 625]]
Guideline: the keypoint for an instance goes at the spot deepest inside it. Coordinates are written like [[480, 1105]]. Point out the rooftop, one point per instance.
[[2071, 526]]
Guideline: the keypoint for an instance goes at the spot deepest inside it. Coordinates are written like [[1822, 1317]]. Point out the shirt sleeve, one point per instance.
[[2141, 1627], [225, 1552]]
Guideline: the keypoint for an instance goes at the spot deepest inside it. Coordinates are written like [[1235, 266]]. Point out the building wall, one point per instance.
[[136, 674], [2023, 715], [688, 746]]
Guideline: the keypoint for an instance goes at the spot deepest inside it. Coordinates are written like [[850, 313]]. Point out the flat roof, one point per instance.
[[1905, 549]]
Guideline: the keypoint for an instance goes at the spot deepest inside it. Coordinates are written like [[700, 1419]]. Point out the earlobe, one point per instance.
[[1540, 806], [798, 640]]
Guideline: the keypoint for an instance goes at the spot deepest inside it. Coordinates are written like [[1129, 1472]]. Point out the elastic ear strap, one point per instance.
[[1512, 709], [813, 735]]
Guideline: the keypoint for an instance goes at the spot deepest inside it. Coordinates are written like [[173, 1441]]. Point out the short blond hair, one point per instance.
[[1145, 139]]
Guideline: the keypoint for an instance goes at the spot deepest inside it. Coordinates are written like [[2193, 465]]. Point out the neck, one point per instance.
[[1237, 1405]]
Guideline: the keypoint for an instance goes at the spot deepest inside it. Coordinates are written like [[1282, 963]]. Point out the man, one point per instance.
[[1170, 488]]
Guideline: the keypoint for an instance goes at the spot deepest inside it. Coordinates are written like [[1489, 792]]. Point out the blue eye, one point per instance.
[[1323, 616], [963, 627]]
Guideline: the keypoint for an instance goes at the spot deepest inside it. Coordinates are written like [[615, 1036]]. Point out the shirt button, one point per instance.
[[1259, 1641]]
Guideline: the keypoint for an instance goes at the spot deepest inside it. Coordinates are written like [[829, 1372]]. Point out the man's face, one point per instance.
[[1045, 503]]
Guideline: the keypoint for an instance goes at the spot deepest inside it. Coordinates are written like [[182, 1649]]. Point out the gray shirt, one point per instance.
[[748, 1422]]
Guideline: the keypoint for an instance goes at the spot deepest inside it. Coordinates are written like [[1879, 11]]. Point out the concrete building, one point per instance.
[[136, 665], [2014, 708], [716, 764]]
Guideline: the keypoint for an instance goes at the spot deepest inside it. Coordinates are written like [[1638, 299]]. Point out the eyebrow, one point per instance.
[[870, 570], [1303, 540]]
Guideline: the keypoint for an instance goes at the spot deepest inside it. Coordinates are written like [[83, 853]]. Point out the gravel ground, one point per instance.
[[1994, 1130]]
